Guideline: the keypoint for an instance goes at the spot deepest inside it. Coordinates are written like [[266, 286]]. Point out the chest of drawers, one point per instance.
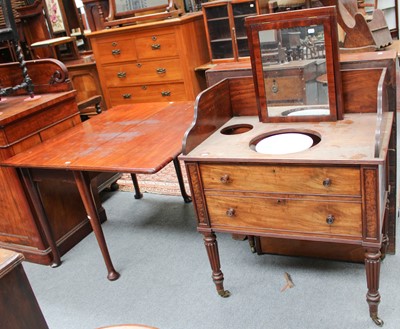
[[151, 62]]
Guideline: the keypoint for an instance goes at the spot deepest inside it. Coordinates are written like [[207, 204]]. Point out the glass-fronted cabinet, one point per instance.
[[226, 33]]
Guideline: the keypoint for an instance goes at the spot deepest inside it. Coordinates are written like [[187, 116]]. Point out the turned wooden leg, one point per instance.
[[210, 241], [138, 194], [372, 267], [178, 171], [83, 183]]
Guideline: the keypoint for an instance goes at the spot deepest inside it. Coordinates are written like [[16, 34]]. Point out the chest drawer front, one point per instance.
[[283, 179], [157, 45], [285, 88], [113, 50], [144, 72], [295, 215], [148, 93]]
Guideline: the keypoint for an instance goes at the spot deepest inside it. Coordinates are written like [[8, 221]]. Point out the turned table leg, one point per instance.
[[210, 241], [372, 266], [83, 183]]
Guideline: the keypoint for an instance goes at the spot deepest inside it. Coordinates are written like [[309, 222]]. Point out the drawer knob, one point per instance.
[[225, 179], [126, 96], [155, 46], [121, 75], [165, 93], [116, 51], [327, 182], [274, 87], [161, 70], [230, 212], [114, 44], [330, 219]]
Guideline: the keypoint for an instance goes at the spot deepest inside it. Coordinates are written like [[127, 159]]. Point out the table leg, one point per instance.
[[138, 194], [82, 180], [178, 171], [41, 214], [210, 241], [372, 266]]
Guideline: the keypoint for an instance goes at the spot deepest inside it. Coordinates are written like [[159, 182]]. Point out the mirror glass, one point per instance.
[[122, 6], [295, 62], [294, 66]]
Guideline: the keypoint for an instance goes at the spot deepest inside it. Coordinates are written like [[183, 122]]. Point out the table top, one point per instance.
[[136, 138], [8, 260]]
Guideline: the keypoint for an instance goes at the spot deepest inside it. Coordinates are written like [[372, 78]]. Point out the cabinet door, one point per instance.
[[240, 11], [219, 31]]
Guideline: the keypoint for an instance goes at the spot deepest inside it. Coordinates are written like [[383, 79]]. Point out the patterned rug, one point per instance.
[[163, 182]]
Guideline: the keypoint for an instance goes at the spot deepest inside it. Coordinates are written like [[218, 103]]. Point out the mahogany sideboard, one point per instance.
[[151, 62], [25, 123], [19, 307]]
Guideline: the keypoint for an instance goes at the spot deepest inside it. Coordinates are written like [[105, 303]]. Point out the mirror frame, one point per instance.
[[325, 16], [167, 9]]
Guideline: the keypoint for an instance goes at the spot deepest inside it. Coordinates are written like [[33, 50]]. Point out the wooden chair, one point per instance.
[[360, 31]]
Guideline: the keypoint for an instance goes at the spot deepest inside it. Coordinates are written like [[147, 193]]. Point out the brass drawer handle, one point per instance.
[[330, 219], [327, 182], [116, 51], [161, 70], [230, 212], [126, 96], [274, 87], [165, 93], [225, 179], [121, 75], [155, 46]]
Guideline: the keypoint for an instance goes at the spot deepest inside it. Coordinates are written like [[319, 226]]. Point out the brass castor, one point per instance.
[[378, 321], [224, 293]]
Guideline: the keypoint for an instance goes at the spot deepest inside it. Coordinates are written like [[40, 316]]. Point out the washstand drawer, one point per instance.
[[145, 93], [282, 179], [303, 215], [284, 89], [116, 50], [143, 72], [156, 45]]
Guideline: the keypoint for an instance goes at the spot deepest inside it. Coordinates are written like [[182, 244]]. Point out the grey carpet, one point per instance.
[[166, 279]]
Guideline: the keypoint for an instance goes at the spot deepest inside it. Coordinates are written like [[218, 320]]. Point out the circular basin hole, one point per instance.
[[284, 142], [236, 129]]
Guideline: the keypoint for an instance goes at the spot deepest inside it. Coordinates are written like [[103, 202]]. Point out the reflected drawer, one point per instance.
[[112, 51], [143, 72], [283, 179], [147, 93], [303, 215], [156, 45]]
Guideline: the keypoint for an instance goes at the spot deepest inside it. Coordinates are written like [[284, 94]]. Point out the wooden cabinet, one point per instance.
[[226, 33], [151, 61], [24, 124]]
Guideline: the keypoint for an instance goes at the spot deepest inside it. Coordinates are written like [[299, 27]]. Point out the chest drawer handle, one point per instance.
[[121, 75], [161, 70], [327, 182], [155, 46], [116, 51], [330, 219], [225, 179], [165, 93], [126, 96], [231, 212], [274, 87]]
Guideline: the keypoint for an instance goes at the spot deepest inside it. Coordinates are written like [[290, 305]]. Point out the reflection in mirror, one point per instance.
[[295, 65], [300, 50]]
